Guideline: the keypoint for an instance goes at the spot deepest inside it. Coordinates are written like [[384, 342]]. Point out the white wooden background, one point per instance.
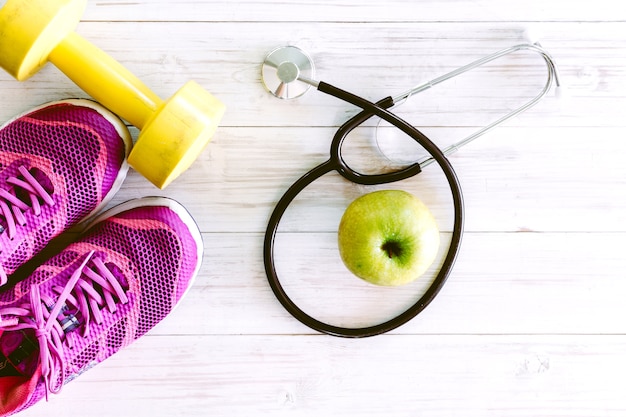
[[532, 319]]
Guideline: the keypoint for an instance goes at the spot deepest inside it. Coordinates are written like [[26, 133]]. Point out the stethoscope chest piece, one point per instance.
[[283, 70]]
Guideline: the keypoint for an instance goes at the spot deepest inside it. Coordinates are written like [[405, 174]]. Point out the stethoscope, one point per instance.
[[288, 72]]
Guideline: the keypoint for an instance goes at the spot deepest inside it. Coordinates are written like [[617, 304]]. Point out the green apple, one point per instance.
[[388, 237]]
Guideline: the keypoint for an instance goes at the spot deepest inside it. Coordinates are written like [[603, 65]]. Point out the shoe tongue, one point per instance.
[[24, 196], [19, 353], [42, 179]]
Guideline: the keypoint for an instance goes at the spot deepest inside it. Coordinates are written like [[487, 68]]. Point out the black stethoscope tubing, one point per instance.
[[337, 163]]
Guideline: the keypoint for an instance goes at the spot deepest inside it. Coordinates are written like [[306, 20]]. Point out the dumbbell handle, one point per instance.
[[105, 79]]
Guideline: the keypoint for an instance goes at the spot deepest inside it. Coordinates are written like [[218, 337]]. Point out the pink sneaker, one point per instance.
[[59, 164], [124, 275]]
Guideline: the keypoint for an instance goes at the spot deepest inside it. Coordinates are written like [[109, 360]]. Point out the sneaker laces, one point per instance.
[[12, 207], [89, 290]]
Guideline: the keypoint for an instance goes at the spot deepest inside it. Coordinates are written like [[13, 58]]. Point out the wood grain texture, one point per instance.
[[349, 11], [315, 375], [530, 322]]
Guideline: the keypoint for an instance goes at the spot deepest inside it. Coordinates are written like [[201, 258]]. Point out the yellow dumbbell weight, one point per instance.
[[173, 132]]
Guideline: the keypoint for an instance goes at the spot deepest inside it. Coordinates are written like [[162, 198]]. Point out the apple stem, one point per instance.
[[392, 248]]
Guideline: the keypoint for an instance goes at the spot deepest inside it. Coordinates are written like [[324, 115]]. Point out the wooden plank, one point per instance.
[[538, 179], [403, 376], [502, 283], [226, 60], [351, 11]]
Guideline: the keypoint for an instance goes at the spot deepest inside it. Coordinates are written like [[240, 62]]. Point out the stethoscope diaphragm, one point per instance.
[[283, 70]]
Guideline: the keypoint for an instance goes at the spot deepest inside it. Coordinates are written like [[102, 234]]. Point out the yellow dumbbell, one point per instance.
[[173, 132]]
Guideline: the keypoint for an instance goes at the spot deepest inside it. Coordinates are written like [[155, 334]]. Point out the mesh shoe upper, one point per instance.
[[58, 165], [98, 295]]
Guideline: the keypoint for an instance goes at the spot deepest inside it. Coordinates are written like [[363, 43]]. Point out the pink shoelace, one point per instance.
[[12, 208], [90, 289]]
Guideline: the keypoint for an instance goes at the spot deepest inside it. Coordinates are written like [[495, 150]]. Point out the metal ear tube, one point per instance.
[[551, 79]]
